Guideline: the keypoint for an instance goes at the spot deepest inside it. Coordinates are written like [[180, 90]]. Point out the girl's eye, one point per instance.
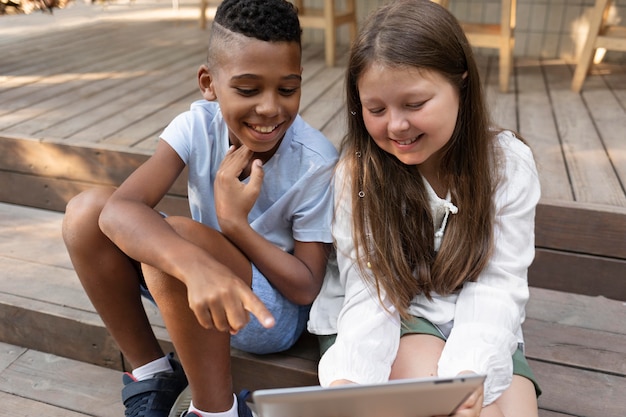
[[376, 110], [416, 105]]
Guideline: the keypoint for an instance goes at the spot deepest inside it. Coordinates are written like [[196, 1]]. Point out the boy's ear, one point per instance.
[[205, 82]]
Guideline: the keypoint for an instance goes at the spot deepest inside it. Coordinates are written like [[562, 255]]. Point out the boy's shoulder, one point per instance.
[[205, 107], [312, 140]]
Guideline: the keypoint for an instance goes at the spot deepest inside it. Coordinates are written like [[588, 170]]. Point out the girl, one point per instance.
[[434, 220]]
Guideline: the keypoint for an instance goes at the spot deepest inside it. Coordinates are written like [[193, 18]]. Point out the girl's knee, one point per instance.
[[520, 399]]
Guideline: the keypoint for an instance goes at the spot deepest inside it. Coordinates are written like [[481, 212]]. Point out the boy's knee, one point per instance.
[[88, 202], [184, 226], [83, 210]]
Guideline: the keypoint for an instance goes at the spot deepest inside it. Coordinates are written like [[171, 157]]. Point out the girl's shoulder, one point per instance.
[[514, 151], [515, 160]]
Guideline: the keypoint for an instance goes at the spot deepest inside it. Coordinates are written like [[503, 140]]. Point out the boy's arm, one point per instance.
[[130, 221], [299, 276]]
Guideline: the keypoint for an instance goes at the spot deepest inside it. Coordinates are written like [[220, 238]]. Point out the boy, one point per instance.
[[261, 205]]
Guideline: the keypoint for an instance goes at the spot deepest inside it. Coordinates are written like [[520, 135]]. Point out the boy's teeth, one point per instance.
[[264, 129]]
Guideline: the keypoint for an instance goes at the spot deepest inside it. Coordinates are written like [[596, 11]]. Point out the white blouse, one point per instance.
[[482, 322]]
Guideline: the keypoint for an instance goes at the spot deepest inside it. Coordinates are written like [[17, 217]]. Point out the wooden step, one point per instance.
[[34, 384], [576, 344]]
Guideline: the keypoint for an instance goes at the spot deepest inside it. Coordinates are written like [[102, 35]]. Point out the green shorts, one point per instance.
[[420, 325]]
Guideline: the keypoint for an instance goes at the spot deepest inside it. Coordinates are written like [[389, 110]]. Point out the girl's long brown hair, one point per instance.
[[392, 223]]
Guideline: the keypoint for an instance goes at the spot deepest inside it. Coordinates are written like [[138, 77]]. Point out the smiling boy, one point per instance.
[[244, 270]]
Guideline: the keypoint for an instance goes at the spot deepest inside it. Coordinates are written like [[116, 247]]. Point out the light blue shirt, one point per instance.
[[295, 202]]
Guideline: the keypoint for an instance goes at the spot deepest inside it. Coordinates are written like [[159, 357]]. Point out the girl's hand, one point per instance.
[[473, 405], [233, 198], [340, 382]]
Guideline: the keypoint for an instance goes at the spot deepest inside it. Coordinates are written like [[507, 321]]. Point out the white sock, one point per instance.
[[152, 368], [230, 413]]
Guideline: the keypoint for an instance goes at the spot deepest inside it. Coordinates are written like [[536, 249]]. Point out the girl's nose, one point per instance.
[[398, 122]]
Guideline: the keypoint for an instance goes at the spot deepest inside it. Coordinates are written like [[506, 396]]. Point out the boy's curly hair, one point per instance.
[[266, 20]]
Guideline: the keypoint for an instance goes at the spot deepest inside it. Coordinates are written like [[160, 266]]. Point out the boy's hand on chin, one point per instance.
[[233, 198]]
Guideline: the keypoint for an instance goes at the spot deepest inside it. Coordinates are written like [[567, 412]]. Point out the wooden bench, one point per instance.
[[575, 343]]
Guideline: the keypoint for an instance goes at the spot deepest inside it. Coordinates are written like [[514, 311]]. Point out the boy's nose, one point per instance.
[[268, 106]]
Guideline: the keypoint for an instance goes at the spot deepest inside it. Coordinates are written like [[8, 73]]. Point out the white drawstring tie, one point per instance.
[[450, 208]]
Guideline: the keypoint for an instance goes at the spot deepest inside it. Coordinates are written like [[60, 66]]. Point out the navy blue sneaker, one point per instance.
[[153, 397], [242, 408]]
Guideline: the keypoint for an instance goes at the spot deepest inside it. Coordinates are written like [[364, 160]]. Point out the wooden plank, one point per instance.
[[582, 228], [45, 116], [576, 347], [17, 405], [43, 56], [102, 164], [581, 274], [64, 383], [8, 355], [60, 74], [144, 134], [336, 128], [53, 194], [610, 119], [548, 413], [261, 373], [614, 75], [65, 115], [315, 88], [592, 176], [538, 127], [579, 392], [502, 106], [586, 312], [326, 105]]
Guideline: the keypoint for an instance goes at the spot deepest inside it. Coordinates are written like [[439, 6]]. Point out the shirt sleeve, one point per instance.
[[368, 331], [489, 312]]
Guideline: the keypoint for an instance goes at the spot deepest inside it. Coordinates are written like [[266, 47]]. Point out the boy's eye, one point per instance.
[[288, 91], [246, 91]]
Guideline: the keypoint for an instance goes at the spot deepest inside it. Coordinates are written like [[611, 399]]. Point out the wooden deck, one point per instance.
[[83, 97]]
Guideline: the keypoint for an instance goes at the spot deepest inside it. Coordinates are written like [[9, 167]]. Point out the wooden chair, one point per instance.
[[601, 35], [499, 36], [204, 5], [328, 18]]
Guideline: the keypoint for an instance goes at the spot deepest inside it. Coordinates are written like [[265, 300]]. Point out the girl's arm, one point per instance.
[[367, 334], [489, 312]]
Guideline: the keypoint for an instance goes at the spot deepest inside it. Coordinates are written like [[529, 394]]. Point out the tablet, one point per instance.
[[421, 397]]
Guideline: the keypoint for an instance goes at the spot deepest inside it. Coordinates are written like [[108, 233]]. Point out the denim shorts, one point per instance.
[[290, 320], [419, 325]]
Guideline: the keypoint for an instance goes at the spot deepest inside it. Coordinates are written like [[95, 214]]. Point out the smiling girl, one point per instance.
[[434, 220]]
